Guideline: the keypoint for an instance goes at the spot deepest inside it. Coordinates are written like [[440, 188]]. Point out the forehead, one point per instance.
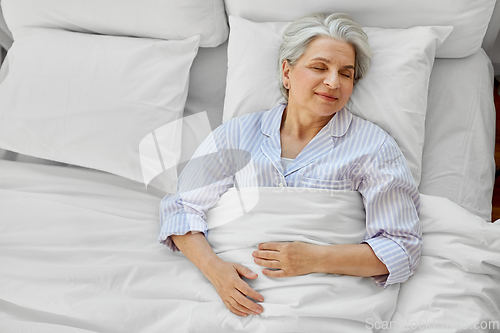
[[329, 50]]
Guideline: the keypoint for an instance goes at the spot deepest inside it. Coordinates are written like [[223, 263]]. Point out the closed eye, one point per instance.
[[317, 66], [346, 74]]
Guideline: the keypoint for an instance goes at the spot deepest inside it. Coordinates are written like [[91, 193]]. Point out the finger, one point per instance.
[[246, 290], [272, 246], [265, 254], [245, 271], [246, 305], [275, 274], [239, 306], [234, 310], [267, 263]]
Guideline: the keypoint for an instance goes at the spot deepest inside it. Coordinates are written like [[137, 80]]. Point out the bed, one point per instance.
[[102, 104]]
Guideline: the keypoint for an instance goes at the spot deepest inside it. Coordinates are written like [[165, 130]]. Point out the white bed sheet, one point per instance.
[[458, 157], [78, 253]]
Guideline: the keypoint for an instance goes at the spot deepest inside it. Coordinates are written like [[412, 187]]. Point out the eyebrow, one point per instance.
[[328, 62]]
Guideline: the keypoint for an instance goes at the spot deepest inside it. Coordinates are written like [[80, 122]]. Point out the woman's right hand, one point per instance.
[[226, 278]]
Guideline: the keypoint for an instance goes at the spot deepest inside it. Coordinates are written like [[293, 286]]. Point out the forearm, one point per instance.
[[349, 259], [197, 249], [283, 259]]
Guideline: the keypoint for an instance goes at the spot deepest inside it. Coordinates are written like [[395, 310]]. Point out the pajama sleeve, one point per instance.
[[204, 179], [392, 202]]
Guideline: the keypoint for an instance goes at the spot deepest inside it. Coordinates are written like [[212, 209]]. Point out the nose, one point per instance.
[[332, 81]]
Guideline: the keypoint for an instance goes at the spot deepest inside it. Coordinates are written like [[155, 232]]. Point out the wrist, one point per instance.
[[197, 249], [210, 265], [325, 258]]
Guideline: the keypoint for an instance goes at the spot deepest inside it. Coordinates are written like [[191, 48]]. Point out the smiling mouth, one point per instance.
[[327, 97]]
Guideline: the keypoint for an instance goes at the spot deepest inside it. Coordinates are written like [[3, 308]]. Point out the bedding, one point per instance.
[[470, 19], [207, 84], [458, 159], [391, 95], [157, 19], [90, 100], [103, 271], [244, 218], [5, 36], [78, 239]]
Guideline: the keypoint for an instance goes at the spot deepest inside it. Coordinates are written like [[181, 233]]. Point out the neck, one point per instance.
[[302, 125]]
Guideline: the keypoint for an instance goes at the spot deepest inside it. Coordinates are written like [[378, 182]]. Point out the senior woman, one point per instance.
[[310, 141]]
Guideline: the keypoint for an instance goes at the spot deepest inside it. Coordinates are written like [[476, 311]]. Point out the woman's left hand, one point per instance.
[[287, 258]]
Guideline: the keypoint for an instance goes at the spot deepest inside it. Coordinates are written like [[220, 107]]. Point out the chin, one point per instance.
[[327, 110]]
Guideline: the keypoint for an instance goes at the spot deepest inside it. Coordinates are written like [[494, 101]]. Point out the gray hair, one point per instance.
[[339, 26]]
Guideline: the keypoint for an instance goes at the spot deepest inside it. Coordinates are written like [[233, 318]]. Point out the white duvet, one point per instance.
[[245, 218], [78, 253]]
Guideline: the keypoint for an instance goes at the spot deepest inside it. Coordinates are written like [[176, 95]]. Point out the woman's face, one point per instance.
[[321, 81]]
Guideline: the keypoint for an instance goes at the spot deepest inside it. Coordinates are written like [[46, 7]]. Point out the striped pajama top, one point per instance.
[[348, 153]]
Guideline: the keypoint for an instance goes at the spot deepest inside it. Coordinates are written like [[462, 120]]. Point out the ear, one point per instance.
[[286, 73]]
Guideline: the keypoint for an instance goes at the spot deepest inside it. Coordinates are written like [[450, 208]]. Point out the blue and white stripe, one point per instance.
[[349, 153]]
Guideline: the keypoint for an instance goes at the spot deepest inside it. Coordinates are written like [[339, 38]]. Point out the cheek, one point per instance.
[[302, 79], [347, 89], [302, 84], [306, 76]]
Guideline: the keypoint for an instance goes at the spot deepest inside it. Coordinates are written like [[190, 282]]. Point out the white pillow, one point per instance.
[[393, 94], [469, 18], [163, 19], [92, 100]]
